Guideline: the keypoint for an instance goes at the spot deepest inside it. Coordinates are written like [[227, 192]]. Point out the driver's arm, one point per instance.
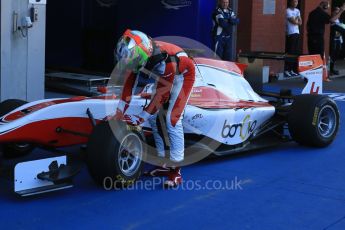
[[127, 91], [164, 84], [161, 96]]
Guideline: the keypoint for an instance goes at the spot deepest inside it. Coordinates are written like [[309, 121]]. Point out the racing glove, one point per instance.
[[118, 115], [136, 120], [120, 110]]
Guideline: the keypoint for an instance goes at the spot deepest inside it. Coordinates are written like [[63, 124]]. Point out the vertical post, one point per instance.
[[22, 51], [36, 53]]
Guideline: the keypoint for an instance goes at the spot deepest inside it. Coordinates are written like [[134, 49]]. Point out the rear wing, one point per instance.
[[311, 68]]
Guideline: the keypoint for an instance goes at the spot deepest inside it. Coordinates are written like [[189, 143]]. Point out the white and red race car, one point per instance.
[[224, 115]]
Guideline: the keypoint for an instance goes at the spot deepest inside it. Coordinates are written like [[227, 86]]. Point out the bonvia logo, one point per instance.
[[175, 4], [243, 129]]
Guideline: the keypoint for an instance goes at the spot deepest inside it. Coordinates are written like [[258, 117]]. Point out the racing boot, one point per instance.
[[174, 178], [158, 171]]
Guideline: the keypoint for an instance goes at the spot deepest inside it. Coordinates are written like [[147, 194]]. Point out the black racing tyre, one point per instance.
[[115, 160], [14, 150], [313, 120]]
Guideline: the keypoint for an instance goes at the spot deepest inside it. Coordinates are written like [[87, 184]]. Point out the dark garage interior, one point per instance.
[[80, 38], [81, 34]]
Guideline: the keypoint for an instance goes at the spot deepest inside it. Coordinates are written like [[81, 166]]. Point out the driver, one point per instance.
[[174, 75]]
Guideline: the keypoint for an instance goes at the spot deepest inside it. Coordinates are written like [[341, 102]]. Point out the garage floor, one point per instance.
[[290, 187]]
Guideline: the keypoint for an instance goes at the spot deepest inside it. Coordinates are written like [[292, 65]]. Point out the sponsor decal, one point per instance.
[[312, 72], [175, 4], [243, 129], [195, 90], [195, 95], [316, 114], [134, 128], [168, 75], [26, 111], [197, 116], [306, 63]]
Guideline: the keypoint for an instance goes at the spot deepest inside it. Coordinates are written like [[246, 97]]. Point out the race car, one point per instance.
[[223, 116]]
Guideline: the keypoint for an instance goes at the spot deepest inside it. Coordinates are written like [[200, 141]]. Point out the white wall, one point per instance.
[[22, 57]]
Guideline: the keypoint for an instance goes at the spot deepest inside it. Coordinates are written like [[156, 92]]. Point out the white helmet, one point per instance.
[[134, 49]]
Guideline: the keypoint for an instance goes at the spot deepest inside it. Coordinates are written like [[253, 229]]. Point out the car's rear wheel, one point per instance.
[[115, 160], [313, 120], [14, 150]]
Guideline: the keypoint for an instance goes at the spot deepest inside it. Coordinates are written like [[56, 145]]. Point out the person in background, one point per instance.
[[293, 21], [336, 41], [317, 20], [224, 19]]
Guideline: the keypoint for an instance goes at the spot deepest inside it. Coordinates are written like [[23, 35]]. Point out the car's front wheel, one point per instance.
[[313, 120], [115, 159]]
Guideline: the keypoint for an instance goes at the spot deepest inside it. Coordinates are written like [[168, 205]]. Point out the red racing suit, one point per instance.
[[176, 76]]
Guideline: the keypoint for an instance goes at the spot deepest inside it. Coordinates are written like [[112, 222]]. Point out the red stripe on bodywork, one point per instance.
[[44, 132], [31, 109]]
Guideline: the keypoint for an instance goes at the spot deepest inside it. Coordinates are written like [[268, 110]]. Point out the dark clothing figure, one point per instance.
[[336, 41], [293, 21], [292, 46], [223, 22], [317, 21]]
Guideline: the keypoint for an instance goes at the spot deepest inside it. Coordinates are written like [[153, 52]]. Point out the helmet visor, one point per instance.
[[128, 54]]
